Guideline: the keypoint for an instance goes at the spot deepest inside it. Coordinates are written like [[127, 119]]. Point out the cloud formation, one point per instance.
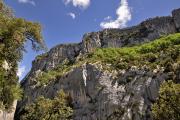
[[107, 18], [73, 15], [78, 3], [27, 1], [123, 16], [21, 71]]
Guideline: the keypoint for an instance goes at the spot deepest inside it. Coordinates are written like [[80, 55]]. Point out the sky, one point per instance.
[[66, 21]]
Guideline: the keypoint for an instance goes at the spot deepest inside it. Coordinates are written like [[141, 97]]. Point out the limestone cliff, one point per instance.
[[98, 93]]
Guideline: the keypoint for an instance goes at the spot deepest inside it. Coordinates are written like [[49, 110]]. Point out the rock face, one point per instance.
[[8, 115], [176, 16], [96, 94], [56, 56], [144, 32]]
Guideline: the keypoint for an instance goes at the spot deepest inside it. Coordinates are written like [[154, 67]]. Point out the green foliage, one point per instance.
[[47, 109], [44, 55], [150, 54], [167, 107], [159, 52], [5, 10], [14, 32], [50, 75]]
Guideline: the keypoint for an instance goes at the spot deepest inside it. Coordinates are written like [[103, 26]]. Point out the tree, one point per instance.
[[167, 107], [14, 32], [47, 109]]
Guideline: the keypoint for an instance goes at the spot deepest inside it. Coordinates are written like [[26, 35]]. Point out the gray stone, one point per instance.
[[176, 16], [96, 94], [98, 97]]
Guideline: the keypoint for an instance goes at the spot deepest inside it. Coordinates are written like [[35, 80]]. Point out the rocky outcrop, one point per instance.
[[144, 32], [97, 93], [176, 17], [56, 56]]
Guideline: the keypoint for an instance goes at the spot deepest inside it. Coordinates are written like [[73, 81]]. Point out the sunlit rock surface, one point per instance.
[[96, 93]]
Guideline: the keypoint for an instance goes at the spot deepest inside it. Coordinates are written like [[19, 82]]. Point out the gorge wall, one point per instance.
[[146, 31], [96, 94]]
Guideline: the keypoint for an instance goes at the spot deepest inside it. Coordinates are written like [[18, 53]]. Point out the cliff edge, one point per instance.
[[100, 86]]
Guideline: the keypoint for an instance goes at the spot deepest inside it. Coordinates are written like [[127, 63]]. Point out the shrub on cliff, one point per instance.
[[47, 109], [152, 54], [167, 107]]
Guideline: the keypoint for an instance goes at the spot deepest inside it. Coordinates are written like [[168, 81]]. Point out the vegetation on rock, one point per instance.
[[46, 77], [167, 106], [152, 53], [163, 52], [49, 109], [44, 55]]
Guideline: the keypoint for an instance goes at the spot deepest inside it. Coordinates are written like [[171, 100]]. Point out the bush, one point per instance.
[[47, 109], [47, 77], [167, 106], [153, 52]]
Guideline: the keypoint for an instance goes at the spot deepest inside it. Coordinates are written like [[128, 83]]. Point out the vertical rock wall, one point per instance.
[[95, 93], [176, 16]]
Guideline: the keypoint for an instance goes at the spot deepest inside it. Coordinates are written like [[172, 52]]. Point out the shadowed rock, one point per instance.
[[95, 93]]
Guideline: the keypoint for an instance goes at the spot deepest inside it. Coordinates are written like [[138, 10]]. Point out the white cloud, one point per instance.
[[21, 71], [72, 15], [123, 16], [78, 3], [107, 18], [27, 1]]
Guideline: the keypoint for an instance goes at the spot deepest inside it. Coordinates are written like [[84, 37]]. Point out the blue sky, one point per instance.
[[65, 21]]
